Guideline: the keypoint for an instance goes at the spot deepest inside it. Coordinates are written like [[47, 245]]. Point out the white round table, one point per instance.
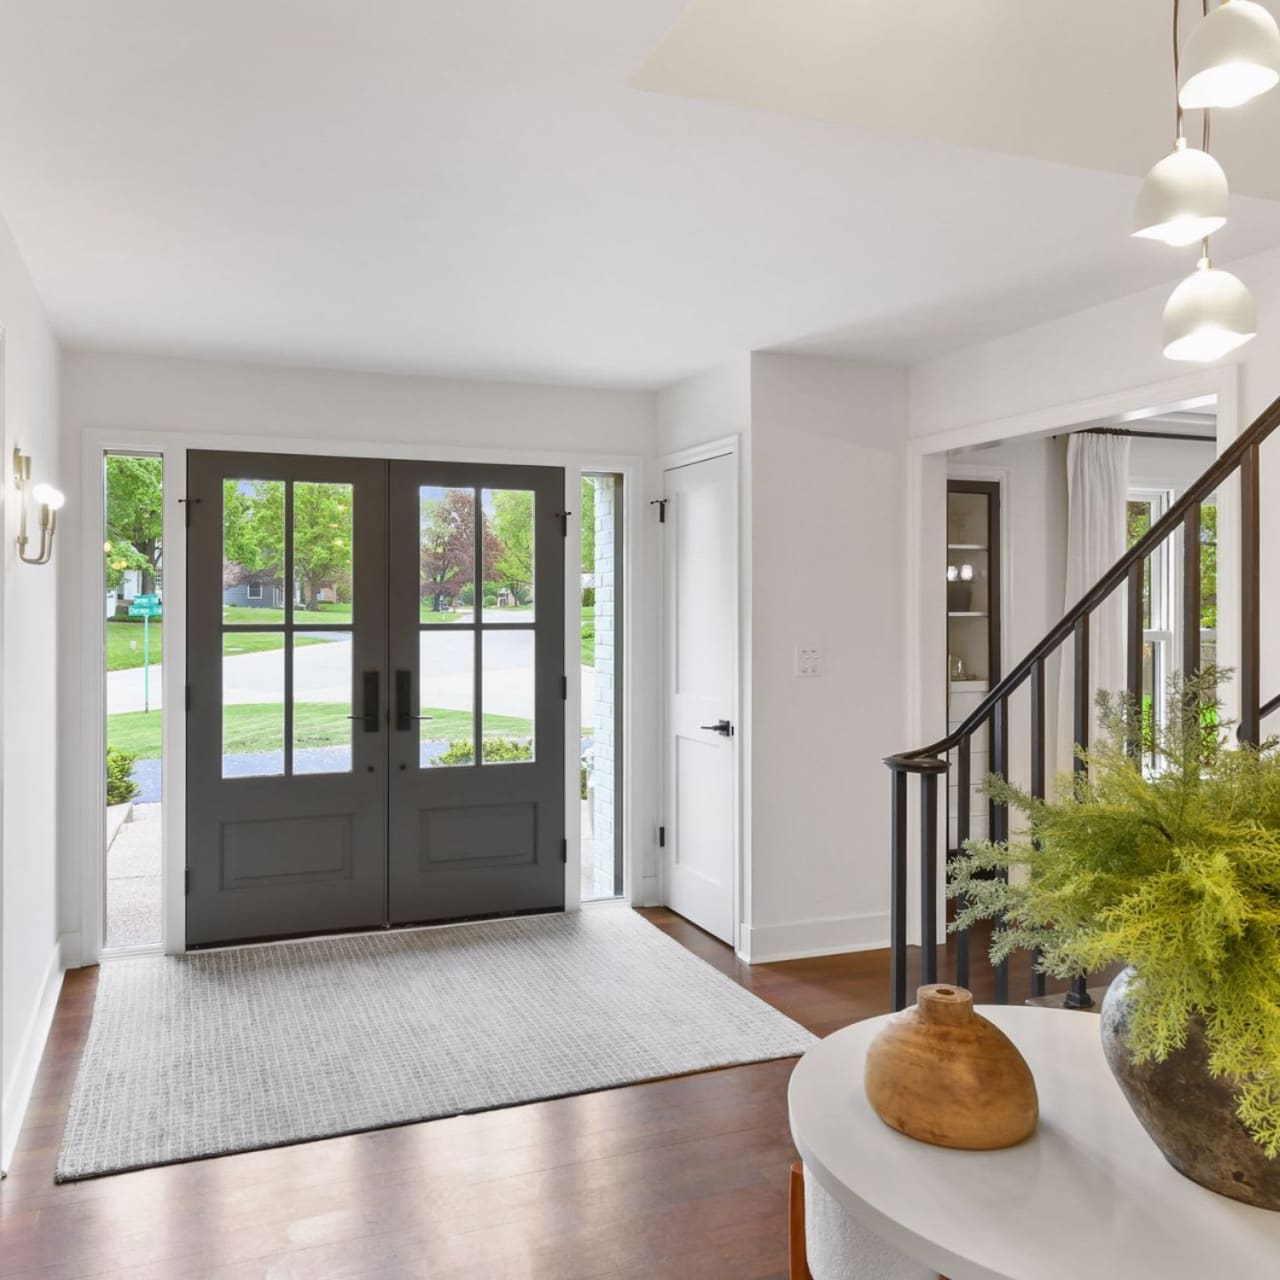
[[1087, 1197]]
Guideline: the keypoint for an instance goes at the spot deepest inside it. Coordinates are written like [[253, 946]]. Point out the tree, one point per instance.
[[513, 528], [252, 531], [1209, 565], [135, 519], [321, 539], [448, 552]]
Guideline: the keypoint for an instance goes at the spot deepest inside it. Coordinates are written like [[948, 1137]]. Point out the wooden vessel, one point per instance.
[[941, 1073]]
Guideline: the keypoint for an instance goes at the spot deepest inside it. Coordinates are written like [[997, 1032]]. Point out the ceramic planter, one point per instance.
[[1190, 1116]]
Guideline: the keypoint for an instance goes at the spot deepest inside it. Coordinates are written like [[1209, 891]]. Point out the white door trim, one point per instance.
[[722, 447], [86, 799]]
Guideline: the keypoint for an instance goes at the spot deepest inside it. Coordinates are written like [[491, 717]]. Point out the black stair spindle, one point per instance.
[[1037, 781], [898, 891], [1078, 997], [1000, 815], [1134, 614], [963, 798], [1191, 590], [1250, 601], [928, 878]]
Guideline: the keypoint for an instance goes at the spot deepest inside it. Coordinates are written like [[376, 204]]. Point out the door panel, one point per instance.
[[701, 566], [477, 748], [286, 795]]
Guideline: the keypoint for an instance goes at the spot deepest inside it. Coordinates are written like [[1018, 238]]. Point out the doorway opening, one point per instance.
[[133, 654], [600, 676]]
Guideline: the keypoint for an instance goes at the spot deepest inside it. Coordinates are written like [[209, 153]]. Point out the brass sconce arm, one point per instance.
[[50, 500]]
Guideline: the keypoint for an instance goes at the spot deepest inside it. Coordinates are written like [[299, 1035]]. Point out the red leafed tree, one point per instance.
[[448, 558]]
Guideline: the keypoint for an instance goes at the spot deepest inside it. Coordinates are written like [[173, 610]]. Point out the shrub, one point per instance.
[[588, 597], [490, 601], [588, 632], [121, 787], [495, 751], [468, 594]]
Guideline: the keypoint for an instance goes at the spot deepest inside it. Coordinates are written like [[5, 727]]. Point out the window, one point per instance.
[[1145, 507], [253, 591]]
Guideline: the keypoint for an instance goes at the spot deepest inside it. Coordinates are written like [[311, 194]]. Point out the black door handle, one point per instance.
[[722, 727], [372, 698], [404, 700]]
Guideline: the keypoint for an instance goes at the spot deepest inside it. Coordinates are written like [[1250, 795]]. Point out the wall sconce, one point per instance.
[[50, 500]]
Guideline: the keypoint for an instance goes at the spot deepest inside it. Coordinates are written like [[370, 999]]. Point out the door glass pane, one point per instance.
[[508, 555], [253, 551], [252, 704], [446, 554], [508, 696], [322, 702], [446, 681], [322, 553]]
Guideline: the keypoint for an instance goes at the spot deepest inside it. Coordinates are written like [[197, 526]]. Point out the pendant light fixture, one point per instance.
[[1231, 58], [1208, 315], [1183, 198]]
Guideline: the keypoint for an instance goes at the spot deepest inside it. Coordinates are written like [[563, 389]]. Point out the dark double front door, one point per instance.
[[375, 724]]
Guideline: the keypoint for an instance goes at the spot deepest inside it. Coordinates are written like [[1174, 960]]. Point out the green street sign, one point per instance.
[[144, 600], [144, 610]]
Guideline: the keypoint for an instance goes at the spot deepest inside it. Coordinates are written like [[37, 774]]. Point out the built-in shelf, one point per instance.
[[970, 686], [966, 546], [965, 613]]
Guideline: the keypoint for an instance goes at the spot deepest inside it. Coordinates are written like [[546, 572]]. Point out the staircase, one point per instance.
[[929, 764]]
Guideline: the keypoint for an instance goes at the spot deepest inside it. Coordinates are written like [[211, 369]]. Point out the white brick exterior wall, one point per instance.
[[602, 719]]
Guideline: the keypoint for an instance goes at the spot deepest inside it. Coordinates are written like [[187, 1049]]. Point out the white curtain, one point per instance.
[[1097, 499]]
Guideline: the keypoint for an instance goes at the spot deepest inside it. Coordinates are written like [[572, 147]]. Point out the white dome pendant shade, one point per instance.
[[1183, 199], [1208, 315], [1232, 56]]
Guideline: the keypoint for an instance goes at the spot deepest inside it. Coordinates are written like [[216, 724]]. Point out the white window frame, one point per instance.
[[249, 591]]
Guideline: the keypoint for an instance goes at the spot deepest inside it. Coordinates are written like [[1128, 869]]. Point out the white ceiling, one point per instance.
[[477, 188]]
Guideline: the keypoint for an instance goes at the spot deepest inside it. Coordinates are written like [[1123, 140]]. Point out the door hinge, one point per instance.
[[661, 504], [188, 503], [564, 688], [662, 837], [563, 517], [564, 849]]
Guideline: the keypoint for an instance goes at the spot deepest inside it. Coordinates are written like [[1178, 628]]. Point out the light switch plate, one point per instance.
[[808, 662]]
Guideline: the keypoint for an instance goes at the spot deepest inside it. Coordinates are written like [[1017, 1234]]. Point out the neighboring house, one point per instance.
[[254, 595]]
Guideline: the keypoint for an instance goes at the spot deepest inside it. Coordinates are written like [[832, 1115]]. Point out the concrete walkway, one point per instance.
[[133, 881]]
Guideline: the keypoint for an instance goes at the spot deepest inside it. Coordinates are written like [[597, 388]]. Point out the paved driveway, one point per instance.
[[322, 673]]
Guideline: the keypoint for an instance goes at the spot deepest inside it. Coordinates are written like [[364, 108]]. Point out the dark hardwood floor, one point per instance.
[[679, 1178]]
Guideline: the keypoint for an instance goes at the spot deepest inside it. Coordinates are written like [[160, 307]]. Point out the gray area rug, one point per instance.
[[254, 1047]]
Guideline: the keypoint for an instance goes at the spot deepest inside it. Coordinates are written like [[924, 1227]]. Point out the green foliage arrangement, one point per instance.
[[121, 787], [1175, 872], [495, 751]]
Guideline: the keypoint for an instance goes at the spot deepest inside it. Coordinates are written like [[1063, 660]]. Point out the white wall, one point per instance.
[[1106, 350], [1167, 464], [29, 946], [827, 561]]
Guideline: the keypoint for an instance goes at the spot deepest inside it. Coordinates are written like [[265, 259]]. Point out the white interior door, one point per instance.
[[701, 566]]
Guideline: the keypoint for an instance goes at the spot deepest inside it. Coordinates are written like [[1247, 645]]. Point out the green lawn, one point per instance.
[[321, 613], [588, 641], [256, 727], [124, 644], [125, 651]]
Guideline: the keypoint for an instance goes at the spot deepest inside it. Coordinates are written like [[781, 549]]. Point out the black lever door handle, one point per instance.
[[372, 698], [722, 727], [404, 701]]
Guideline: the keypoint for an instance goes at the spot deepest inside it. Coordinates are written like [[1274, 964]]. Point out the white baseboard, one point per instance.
[[763, 944], [30, 1050]]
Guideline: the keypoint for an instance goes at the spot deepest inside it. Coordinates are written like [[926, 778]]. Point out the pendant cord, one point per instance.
[[1177, 104]]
